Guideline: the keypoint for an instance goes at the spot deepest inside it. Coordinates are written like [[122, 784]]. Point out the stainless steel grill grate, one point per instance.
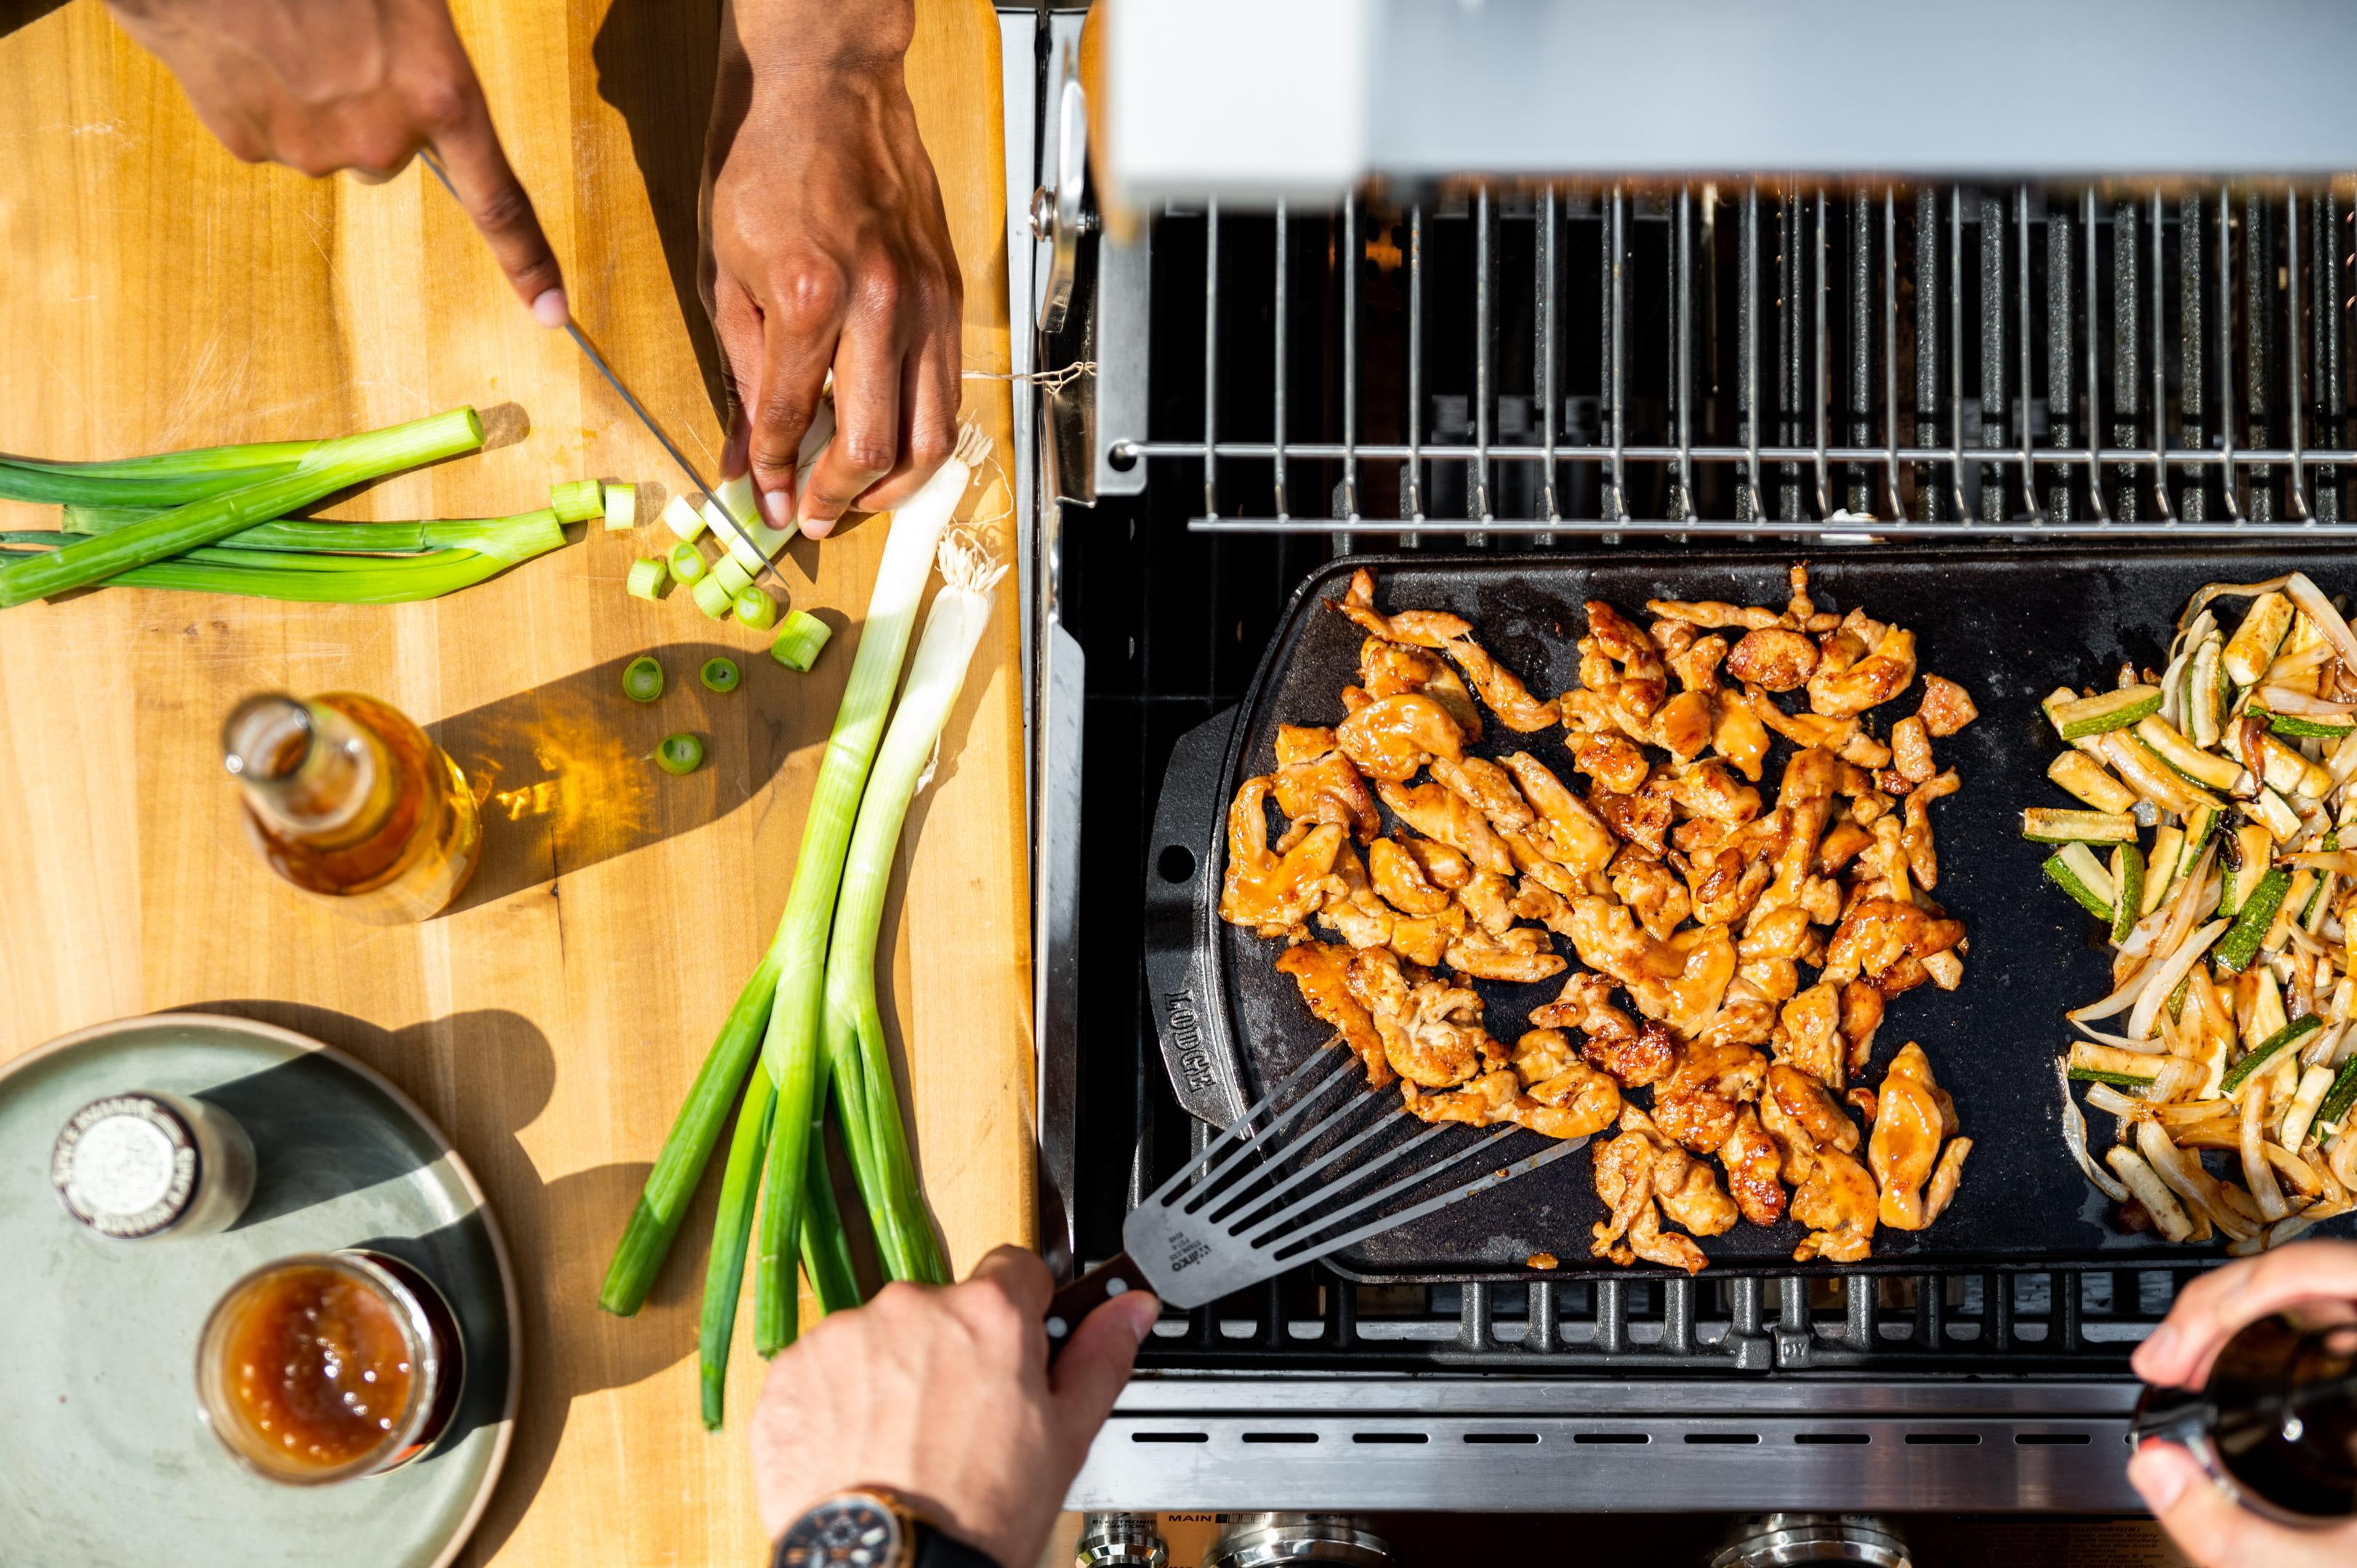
[[1760, 360]]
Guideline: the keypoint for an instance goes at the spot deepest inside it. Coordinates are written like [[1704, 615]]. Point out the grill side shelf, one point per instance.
[[1182, 879]]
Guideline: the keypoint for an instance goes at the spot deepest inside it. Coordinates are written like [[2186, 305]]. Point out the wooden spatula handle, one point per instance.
[[1116, 1277]]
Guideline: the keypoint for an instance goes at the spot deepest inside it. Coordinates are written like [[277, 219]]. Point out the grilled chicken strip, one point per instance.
[[1946, 707], [1774, 659], [1322, 970], [1431, 1032], [1391, 670], [1752, 1164], [1908, 1127], [1837, 1202], [1566, 832], [1270, 892], [1392, 737], [1401, 880], [1500, 688], [1697, 1103], [1439, 812], [1841, 691], [1315, 782]]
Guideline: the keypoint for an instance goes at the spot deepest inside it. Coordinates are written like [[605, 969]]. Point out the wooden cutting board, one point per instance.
[[161, 295]]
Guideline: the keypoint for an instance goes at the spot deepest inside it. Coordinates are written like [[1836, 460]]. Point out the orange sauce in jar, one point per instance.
[[317, 1367]]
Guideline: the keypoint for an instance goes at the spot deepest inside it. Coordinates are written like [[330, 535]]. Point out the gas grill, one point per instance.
[[1278, 363]]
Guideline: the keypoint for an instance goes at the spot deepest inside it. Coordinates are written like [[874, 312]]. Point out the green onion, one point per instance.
[[732, 1234], [711, 597], [329, 467], [577, 500], [642, 679], [647, 575], [799, 637], [719, 675], [161, 479], [489, 536], [792, 1047], [621, 508], [682, 519], [737, 494], [755, 608], [731, 576], [855, 1047], [687, 563], [678, 754]]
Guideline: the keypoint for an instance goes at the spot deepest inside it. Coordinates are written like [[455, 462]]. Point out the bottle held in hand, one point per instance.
[[2276, 1423], [347, 798]]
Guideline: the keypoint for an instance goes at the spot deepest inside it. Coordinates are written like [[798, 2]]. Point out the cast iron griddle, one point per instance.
[[2010, 627]]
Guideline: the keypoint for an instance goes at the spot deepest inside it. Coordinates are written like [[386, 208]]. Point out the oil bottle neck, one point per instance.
[[306, 769]]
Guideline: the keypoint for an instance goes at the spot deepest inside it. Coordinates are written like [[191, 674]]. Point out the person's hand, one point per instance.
[[942, 1396], [826, 247], [2211, 1527], [364, 85]]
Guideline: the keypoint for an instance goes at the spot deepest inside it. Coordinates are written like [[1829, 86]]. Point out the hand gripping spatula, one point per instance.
[[1275, 1190]]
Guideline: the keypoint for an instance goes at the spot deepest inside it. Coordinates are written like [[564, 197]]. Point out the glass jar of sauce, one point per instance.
[[327, 1367]]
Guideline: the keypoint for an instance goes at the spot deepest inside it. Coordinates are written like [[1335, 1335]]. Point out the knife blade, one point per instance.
[[711, 506]]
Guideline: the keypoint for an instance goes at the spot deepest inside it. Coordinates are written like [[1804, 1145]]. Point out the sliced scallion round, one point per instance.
[[642, 679], [681, 518], [711, 597], [719, 675], [799, 637], [678, 754], [647, 577], [687, 563], [577, 500], [731, 574], [755, 608], [621, 507]]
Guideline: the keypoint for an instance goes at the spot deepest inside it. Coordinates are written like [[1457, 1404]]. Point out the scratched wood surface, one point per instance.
[[159, 294]]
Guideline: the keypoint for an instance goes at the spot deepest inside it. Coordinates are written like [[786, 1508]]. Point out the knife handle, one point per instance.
[[1116, 1277]]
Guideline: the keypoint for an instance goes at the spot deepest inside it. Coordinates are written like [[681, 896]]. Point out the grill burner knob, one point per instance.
[[1781, 1539], [1120, 1541], [1257, 1540]]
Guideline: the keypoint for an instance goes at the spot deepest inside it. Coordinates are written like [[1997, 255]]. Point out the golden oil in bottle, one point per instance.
[[347, 798]]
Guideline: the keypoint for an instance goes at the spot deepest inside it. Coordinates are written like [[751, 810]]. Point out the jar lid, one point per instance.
[[126, 1166]]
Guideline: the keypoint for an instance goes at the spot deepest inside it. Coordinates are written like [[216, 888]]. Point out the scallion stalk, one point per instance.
[[527, 532], [320, 577], [158, 479], [792, 1046], [732, 1234], [329, 467]]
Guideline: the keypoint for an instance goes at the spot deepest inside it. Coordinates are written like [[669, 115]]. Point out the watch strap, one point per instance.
[[936, 1549]]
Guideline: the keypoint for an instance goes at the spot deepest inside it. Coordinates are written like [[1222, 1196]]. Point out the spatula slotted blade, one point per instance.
[[1262, 1198]]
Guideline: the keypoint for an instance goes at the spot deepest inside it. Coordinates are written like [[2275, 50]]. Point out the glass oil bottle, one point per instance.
[[348, 800]]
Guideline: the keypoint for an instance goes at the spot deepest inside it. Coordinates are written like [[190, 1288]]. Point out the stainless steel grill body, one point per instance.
[[1239, 395]]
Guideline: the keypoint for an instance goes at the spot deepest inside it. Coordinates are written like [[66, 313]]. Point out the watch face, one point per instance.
[[853, 1532]]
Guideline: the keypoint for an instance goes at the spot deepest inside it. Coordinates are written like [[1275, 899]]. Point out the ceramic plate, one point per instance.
[[103, 1462]]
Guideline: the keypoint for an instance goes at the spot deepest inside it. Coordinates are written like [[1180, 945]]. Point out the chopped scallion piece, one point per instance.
[[755, 608], [642, 679], [682, 519], [621, 507], [687, 563], [711, 597], [647, 575], [719, 675], [577, 500], [737, 496], [799, 637], [678, 754], [733, 575]]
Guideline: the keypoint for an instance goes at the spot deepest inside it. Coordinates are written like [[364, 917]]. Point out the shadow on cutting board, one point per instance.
[[656, 65], [482, 1076], [564, 772]]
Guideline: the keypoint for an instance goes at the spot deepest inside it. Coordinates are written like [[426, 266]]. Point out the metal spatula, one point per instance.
[[1265, 1196]]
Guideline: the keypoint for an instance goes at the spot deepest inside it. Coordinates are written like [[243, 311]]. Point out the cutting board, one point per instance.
[[161, 295]]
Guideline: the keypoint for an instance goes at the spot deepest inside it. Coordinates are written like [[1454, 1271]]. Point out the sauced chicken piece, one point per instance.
[[1885, 944], [1837, 1203], [1652, 892], [1840, 846], [1439, 812], [1643, 681], [1537, 867], [1391, 737], [1675, 639], [1401, 880], [1568, 832], [1679, 982], [1697, 1103], [1488, 787], [1315, 782], [1861, 1015], [1774, 659], [1424, 628], [1714, 613], [1922, 858], [1444, 867], [1798, 1112], [1880, 676], [1945, 1179], [1589, 1104], [1946, 707], [1683, 725], [1391, 669], [1488, 898], [1635, 1055], [1642, 818], [1520, 954], [1695, 659], [1808, 1036], [1752, 1163], [1908, 1127], [1268, 891], [1728, 878], [1352, 910], [1501, 689], [1709, 788], [1865, 750], [1745, 1017], [1432, 1032], [1613, 761], [1568, 1098], [1774, 944], [1424, 939], [1634, 1172], [1484, 1101], [1806, 730], [1739, 737], [1322, 970], [1910, 750]]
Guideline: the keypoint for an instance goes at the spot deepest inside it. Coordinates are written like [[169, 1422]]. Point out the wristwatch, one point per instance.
[[867, 1528]]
